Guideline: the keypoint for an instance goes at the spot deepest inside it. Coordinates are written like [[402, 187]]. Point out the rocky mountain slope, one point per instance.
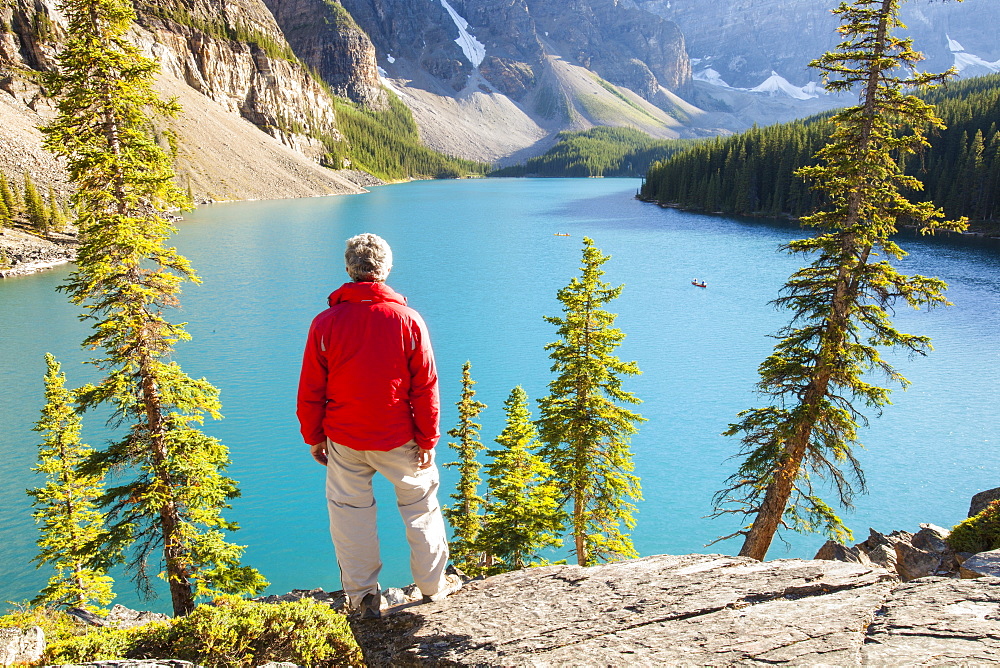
[[251, 109], [491, 80], [495, 80], [766, 44]]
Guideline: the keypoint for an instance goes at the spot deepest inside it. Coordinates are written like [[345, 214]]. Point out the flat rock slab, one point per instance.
[[691, 609], [937, 621], [984, 564]]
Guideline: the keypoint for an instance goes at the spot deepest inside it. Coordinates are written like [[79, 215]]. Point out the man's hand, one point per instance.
[[424, 459], [318, 452]]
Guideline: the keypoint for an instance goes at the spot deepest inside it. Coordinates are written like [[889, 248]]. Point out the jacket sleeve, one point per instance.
[[425, 403], [311, 404]]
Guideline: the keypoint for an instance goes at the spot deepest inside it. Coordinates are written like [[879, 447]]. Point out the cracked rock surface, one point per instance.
[[937, 621], [691, 609]]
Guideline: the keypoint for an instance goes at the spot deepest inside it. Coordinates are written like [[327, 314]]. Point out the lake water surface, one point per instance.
[[480, 260]]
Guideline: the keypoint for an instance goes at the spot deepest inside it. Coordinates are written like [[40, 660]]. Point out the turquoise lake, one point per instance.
[[480, 260]]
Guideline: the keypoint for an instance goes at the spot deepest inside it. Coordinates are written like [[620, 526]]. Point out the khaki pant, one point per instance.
[[353, 526]]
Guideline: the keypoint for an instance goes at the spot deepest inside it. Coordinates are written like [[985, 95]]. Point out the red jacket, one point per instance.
[[368, 376]]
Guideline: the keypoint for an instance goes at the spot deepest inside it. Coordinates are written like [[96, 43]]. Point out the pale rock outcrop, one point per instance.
[[936, 621], [17, 646], [663, 610]]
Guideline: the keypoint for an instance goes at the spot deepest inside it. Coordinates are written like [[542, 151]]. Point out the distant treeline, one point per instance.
[[751, 173], [600, 151]]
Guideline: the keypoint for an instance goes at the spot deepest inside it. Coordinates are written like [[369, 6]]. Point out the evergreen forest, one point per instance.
[[386, 144], [600, 151], [751, 173]]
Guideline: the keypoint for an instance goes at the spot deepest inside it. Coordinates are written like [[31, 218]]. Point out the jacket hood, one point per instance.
[[365, 292]]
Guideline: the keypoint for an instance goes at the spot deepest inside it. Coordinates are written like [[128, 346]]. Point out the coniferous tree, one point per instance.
[[464, 516], [34, 206], [10, 198], [584, 427], [523, 514], [5, 217], [71, 526], [819, 372], [57, 217], [172, 489]]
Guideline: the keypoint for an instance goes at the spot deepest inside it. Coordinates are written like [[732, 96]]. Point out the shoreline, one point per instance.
[[28, 268], [23, 253]]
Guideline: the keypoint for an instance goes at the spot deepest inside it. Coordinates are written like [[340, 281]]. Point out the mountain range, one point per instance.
[[488, 80]]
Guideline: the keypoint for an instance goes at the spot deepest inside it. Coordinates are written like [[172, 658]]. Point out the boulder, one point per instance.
[[910, 555], [662, 610], [913, 562], [884, 556], [984, 564], [126, 618], [17, 646], [983, 499], [936, 621], [931, 538], [834, 551]]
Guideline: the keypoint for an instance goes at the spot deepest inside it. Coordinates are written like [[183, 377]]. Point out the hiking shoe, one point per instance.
[[452, 583], [371, 606]]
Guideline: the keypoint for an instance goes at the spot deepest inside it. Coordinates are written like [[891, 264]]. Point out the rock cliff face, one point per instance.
[[325, 37], [235, 75], [744, 41], [235, 54], [623, 44], [626, 45]]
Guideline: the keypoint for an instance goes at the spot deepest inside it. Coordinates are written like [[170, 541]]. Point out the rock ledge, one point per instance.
[[694, 610]]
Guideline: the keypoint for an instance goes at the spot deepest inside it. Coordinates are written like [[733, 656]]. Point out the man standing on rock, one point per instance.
[[368, 401]]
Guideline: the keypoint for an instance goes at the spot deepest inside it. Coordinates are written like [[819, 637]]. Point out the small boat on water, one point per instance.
[[700, 284], [560, 234]]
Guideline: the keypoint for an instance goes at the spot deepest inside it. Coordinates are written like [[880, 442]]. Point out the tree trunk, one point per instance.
[[579, 528], [765, 525], [173, 551]]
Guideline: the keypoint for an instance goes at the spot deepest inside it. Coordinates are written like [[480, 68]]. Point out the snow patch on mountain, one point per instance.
[[778, 85], [969, 64], [384, 80], [473, 49], [709, 75], [773, 85]]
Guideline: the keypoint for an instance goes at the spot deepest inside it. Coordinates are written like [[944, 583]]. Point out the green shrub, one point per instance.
[[235, 632], [232, 633], [100, 643], [978, 533], [54, 624]]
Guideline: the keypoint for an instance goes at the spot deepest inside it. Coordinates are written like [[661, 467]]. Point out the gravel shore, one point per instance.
[[22, 252]]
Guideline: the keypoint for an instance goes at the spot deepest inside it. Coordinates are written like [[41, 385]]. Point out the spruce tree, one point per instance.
[[584, 427], [819, 375], [71, 526], [57, 217], [464, 516], [34, 206], [10, 198], [171, 489], [523, 514], [5, 217]]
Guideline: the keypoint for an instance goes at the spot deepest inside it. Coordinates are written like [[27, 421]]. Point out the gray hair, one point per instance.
[[368, 258]]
